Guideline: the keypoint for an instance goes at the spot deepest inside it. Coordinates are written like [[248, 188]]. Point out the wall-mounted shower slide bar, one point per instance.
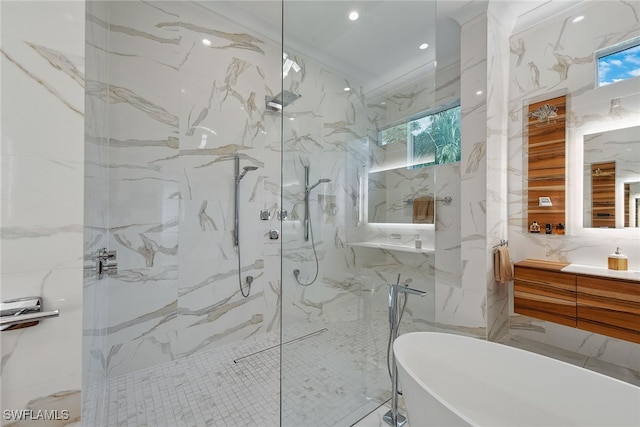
[[238, 177], [307, 191], [23, 311], [236, 232]]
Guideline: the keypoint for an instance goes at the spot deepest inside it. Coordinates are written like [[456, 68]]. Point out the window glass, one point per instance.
[[619, 63]]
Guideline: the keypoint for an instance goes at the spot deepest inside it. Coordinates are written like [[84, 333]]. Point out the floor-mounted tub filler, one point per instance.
[[451, 380]]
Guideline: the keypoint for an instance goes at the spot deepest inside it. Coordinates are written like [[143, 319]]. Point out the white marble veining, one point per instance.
[[42, 170]]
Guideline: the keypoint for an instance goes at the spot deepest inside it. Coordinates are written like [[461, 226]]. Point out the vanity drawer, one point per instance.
[[546, 283], [545, 294], [544, 308], [609, 307]]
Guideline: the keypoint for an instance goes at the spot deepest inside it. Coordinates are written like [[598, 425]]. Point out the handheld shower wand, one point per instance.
[[308, 230], [236, 231], [244, 172]]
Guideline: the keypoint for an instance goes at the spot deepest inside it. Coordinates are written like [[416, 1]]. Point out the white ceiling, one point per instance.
[[382, 45]]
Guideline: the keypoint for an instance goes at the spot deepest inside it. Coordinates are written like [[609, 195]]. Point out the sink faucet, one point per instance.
[[392, 417]]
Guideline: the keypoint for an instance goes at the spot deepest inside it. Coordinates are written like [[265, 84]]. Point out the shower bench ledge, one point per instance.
[[391, 247]]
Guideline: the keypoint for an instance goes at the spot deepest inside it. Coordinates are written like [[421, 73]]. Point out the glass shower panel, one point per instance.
[[345, 79]]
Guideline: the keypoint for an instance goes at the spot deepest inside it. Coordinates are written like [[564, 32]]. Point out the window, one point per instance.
[[435, 139], [619, 62], [432, 138]]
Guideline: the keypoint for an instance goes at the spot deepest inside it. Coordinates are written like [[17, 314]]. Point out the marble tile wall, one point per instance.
[[327, 131], [557, 55], [42, 156], [464, 307], [499, 24], [179, 113]]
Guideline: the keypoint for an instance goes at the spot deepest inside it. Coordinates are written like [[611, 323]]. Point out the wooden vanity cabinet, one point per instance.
[[608, 306], [542, 291]]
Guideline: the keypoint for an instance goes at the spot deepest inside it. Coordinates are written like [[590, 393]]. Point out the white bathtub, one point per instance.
[[450, 380]]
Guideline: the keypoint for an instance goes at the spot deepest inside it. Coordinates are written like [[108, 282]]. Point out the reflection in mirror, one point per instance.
[[403, 195], [612, 178]]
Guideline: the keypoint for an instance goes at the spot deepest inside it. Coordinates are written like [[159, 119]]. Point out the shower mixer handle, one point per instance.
[[408, 290]]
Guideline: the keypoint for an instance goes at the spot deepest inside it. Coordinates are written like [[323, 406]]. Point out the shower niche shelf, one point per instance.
[[391, 247]]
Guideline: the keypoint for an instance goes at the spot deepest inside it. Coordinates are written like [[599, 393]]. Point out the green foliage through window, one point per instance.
[[436, 138], [433, 139]]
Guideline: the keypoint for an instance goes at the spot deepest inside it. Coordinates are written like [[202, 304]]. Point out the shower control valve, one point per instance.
[[274, 234]]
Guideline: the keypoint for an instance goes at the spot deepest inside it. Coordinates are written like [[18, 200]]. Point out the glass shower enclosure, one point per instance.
[[200, 110], [350, 71]]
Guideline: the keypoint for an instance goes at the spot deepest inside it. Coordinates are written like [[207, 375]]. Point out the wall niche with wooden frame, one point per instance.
[[546, 159]]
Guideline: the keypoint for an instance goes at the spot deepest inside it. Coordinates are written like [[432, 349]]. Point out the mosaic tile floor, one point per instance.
[[332, 377]]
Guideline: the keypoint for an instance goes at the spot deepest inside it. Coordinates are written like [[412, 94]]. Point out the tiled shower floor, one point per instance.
[[331, 377]]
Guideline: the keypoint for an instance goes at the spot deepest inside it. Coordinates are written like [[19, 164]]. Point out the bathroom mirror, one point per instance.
[[403, 195], [611, 178]]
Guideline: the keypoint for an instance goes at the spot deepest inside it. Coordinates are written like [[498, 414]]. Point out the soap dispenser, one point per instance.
[[617, 261], [418, 242]]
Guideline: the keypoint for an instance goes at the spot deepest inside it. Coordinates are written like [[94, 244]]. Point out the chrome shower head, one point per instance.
[[320, 181], [244, 172]]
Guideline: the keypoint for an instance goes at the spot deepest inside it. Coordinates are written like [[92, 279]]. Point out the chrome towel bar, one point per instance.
[[26, 318], [23, 312]]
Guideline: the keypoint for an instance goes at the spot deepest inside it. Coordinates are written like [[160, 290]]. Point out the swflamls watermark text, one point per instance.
[[35, 415]]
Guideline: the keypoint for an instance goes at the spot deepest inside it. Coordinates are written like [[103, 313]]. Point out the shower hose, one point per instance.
[[296, 272]]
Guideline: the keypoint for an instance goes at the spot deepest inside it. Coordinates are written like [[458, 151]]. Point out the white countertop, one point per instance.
[[392, 247], [602, 271]]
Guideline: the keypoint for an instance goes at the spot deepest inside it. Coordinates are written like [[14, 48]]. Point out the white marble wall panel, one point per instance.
[[499, 24], [143, 95], [447, 227], [42, 68], [556, 56], [473, 78], [179, 111], [223, 115]]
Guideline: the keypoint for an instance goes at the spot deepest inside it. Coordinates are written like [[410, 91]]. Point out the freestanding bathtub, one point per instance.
[[451, 380]]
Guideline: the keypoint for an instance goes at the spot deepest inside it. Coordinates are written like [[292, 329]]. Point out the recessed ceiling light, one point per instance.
[[578, 19], [347, 89], [479, 92], [353, 15], [206, 42], [292, 118], [423, 46]]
